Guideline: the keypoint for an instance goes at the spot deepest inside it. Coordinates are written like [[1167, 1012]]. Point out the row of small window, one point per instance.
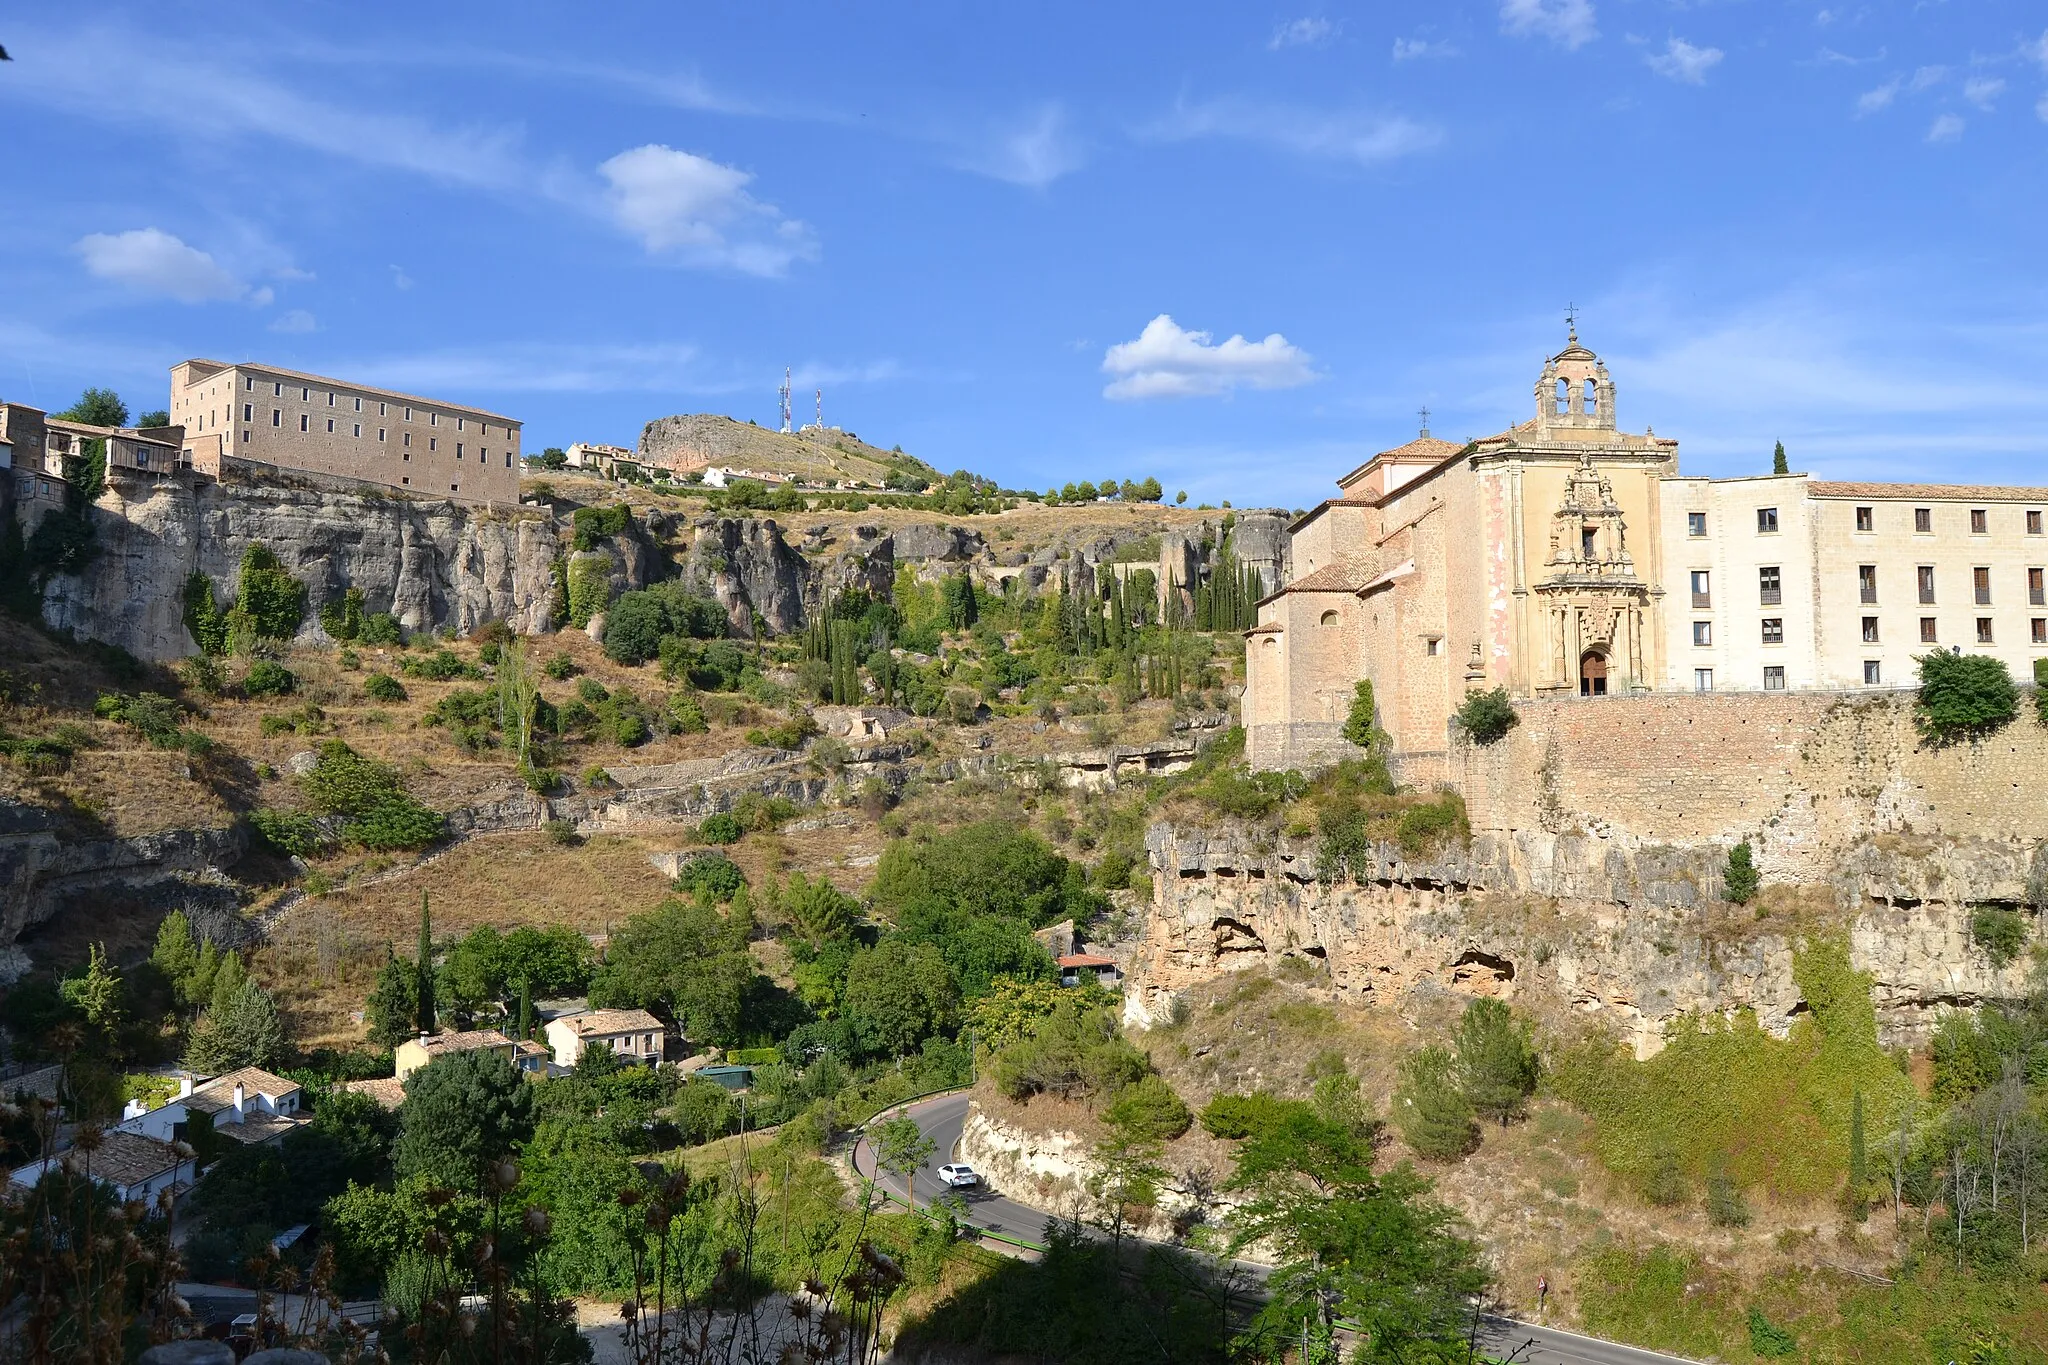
[[1930, 631], [1770, 586], [306, 396], [1980, 585], [1866, 520], [433, 442], [1774, 679]]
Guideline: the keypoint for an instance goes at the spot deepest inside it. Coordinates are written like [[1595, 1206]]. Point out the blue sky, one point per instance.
[[1231, 246]]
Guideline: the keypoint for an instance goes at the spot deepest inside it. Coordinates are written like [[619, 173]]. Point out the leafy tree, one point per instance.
[[1125, 1176], [1963, 696], [1012, 1010], [818, 910], [462, 1113], [1149, 1111], [96, 992], [901, 1148], [2000, 931], [97, 407], [1778, 462], [898, 994], [392, 1012], [240, 1028], [1741, 880], [176, 954], [378, 814], [1430, 1107], [269, 602], [991, 868], [1336, 1097], [686, 960], [1496, 1061], [153, 419], [268, 678], [423, 969], [1361, 723], [1487, 716]]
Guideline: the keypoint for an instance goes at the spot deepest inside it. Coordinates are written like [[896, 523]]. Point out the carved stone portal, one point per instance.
[[1594, 608]]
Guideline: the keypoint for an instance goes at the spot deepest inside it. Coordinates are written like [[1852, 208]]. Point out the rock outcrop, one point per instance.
[[1629, 931]]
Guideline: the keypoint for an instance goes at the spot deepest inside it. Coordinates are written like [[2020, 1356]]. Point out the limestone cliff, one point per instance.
[[1605, 925]]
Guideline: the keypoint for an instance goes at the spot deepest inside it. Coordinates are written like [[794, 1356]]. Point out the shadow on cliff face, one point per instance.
[[124, 919]]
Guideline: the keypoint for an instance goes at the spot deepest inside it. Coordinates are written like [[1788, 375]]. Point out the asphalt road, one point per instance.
[[942, 1120]]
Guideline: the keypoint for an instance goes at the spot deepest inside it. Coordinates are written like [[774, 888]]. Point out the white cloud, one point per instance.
[[1827, 56], [1871, 101], [1361, 138], [262, 298], [298, 320], [699, 209], [1927, 77], [1033, 154], [1303, 33], [1982, 90], [1409, 49], [399, 279], [2041, 109], [1568, 23], [155, 262], [1946, 128], [2038, 49], [1166, 361], [1681, 61]]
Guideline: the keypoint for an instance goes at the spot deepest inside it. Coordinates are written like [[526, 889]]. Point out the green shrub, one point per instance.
[[288, 832], [723, 828], [398, 823], [157, 717], [442, 665], [712, 876], [1239, 1116], [342, 617], [380, 628], [204, 617], [686, 717], [2000, 931], [791, 734], [1427, 828], [1726, 1208], [371, 798], [1149, 1111], [1768, 1339], [1361, 723], [761, 813], [591, 524], [267, 678], [202, 673], [560, 667], [383, 687], [1487, 716], [269, 599], [630, 730], [1741, 880], [1963, 696], [562, 832], [590, 587], [540, 780]]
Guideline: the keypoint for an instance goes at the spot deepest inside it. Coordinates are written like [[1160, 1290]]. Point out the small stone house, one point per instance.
[[414, 1053], [133, 1165], [250, 1105], [1076, 968], [634, 1035]]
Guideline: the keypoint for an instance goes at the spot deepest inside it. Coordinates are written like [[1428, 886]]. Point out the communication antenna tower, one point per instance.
[[783, 393], [821, 409]]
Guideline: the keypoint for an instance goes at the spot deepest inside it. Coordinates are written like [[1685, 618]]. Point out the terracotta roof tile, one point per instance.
[[1958, 492], [1330, 578], [124, 1158], [602, 1023], [388, 1091]]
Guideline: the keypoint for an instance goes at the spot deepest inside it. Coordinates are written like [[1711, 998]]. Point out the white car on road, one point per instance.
[[960, 1176]]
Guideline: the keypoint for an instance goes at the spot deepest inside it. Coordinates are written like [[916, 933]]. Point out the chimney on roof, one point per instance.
[[241, 1097], [425, 1037]]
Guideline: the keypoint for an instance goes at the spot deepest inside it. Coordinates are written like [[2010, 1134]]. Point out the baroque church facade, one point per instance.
[[1568, 558]]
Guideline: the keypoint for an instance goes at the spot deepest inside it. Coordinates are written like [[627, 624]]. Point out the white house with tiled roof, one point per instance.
[[1568, 557], [633, 1035]]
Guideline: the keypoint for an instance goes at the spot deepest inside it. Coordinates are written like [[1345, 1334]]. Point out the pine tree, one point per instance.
[[425, 968], [1778, 464], [1432, 1112], [175, 955]]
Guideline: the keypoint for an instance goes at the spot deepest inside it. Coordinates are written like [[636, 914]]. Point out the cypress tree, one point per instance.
[[1778, 464], [525, 1010], [425, 967]]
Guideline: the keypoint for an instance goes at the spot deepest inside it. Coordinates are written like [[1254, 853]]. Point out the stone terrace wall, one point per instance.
[[1807, 776]]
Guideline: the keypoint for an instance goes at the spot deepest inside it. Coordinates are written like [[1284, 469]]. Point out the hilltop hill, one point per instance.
[[692, 441]]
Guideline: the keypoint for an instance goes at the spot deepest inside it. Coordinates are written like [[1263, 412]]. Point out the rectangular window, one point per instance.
[[2037, 588], [305, 394], [1703, 680], [1702, 594], [484, 427], [248, 412], [2041, 630], [458, 424], [330, 398], [1774, 630], [1774, 677], [1766, 520], [408, 441], [1769, 587], [277, 390], [380, 433], [1870, 630], [1928, 634], [408, 456], [2033, 523], [359, 405], [433, 443], [458, 450], [1926, 585], [380, 410], [245, 435], [305, 422], [454, 487], [1872, 674], [1923, 521], [1695, 524], [1980, 582], [1703, 632], [508, 459], [433, 419], [405, 478], [359, 428], [249, 384], [408, 414], [330, 426], [1865, 519], [1983, 630], [277, 417], [1980, 521], [1866, 583]]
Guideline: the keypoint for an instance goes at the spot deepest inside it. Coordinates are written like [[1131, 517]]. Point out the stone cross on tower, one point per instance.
[[1424, 415]]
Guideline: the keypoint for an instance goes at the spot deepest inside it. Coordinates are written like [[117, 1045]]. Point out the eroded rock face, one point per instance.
[[1630, 931], [430, 564]]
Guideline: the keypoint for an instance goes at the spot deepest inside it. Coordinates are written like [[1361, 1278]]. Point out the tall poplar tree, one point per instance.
[[425, 967]]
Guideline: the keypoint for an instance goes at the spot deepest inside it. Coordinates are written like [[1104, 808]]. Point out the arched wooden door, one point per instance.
[[1593, 674]]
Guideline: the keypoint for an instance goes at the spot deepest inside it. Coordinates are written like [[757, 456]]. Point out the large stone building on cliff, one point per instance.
[[1565, 557]]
